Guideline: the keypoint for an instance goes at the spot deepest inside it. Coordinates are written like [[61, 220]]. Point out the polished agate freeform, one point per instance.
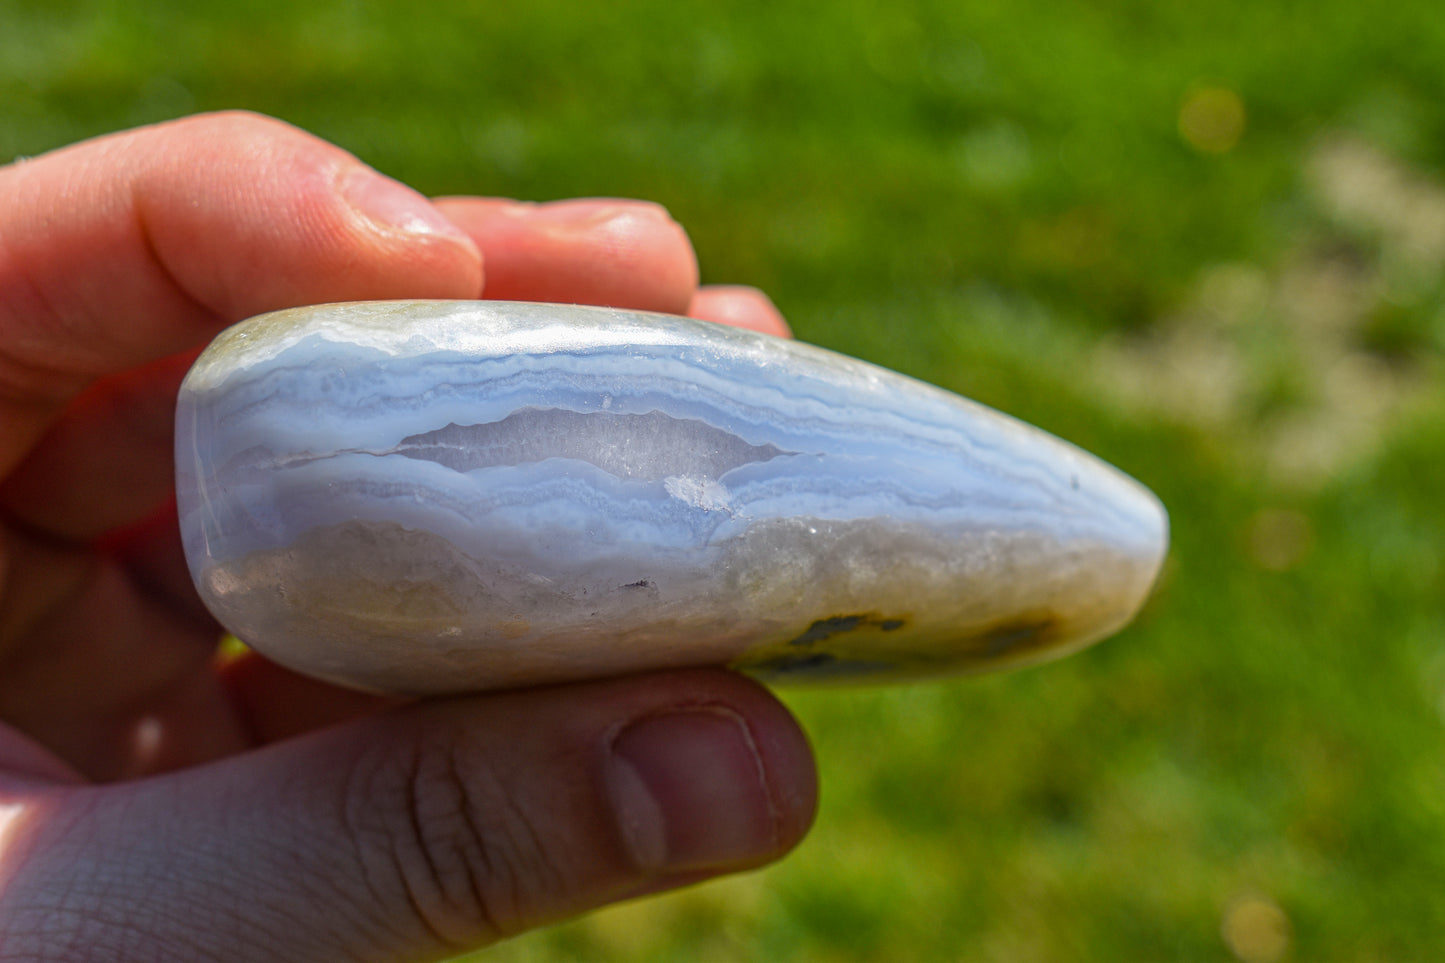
[[429, 497]]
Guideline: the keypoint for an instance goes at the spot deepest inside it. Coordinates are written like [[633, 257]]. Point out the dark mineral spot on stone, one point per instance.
[[817, 665], [827, 628], [1023, 634], [823, 629], [810, 661]]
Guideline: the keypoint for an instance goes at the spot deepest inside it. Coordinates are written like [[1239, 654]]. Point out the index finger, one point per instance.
[[123, 250]]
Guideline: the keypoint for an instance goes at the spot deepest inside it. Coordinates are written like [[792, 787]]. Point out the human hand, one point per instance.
[[156, 802]]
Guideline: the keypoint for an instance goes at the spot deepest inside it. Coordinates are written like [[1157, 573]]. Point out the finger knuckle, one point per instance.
[[240, 124], [464, 855]]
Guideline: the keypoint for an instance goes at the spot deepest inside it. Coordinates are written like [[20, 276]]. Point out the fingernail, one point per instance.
[[392, 206], [690, 792]]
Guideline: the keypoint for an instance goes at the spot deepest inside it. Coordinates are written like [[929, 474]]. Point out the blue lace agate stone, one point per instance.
[[429, 497]]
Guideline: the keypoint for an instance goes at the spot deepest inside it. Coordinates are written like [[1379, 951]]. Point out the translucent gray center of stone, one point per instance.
[[651, 447]]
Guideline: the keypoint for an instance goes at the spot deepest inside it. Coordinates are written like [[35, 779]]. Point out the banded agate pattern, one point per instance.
[[427, 497]]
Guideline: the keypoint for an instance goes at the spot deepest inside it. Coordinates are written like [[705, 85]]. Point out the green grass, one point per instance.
[[997, 198]]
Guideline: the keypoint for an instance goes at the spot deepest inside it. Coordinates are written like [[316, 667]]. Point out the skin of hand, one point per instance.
[[158, 802]]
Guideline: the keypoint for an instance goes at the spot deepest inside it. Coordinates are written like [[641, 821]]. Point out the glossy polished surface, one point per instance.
[[426, 497]]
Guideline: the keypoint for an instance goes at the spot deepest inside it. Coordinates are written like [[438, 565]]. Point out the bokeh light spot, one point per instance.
[[1211, 119], [1256, 930], [1279, 539]]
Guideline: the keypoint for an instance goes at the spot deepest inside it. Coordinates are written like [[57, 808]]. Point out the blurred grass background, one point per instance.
[[1202, 240]]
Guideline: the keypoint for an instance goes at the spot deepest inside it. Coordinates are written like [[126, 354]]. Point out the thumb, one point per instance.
[[427, 831]]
